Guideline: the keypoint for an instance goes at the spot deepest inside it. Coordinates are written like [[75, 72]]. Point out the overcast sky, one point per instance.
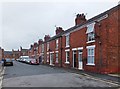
[[24, 22]]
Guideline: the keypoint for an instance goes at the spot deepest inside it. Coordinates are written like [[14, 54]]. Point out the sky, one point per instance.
[[23, 22]]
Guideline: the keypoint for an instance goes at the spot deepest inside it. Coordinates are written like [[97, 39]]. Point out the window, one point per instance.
[[90, 33], [42, 57], [57, 44], [91, 37], [67, 57], [56, 57], [47, 46], [67, 40], [90, 55], [47, 57], [42, 47]]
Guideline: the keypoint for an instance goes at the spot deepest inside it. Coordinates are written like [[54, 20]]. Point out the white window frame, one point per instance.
[[57, 42], [90, 33], [47, 57], [67, 40], [67, 57], [42, 47], [91, 54], [48, 46], [56, 57]]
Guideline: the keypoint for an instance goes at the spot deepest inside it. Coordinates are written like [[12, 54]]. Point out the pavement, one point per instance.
[[111, 78], [0, 67], [1, 74]]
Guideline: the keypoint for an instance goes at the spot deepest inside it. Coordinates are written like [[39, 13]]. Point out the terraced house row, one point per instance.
[[91, 45]]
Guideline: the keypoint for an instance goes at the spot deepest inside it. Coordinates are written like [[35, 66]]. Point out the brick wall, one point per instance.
[[107, 44]]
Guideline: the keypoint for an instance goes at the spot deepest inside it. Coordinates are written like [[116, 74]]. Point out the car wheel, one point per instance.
[[11, 64], [30, 63]]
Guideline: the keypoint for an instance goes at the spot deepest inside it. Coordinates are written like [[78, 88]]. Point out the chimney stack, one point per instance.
[[80, 18], [47, 37], [40, 41], [35, 44], [31, 46], [58, 30]]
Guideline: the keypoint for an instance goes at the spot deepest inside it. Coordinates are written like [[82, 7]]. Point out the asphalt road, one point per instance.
[[25, 75]]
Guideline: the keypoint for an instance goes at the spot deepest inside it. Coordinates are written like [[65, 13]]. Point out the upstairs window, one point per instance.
[[48, 46], [67, 40], [42, 47], [56, 43], [90, 33]]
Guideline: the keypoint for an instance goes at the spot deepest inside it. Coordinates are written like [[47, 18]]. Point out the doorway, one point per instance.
[[51, 58], [74, 59], [80, 62]]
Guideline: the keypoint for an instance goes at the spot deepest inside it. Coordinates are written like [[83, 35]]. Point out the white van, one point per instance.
[[24, 58]]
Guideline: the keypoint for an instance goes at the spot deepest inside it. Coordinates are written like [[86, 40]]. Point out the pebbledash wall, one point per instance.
[[91, 45]]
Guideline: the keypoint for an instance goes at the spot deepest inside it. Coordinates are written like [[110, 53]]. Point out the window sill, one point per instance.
[[91, 41], [91, 64], [67, 62], [56, 48], [56, 62], [67, 46]]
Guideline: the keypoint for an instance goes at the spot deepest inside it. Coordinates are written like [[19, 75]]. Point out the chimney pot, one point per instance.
[[80, 18], [59, 30], [47, 37]]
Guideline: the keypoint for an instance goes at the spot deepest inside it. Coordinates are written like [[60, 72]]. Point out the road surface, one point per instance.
[[25, 75]]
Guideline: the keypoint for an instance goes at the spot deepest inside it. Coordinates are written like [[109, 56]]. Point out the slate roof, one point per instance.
[[24, 50], [7, 52], [90, 20]]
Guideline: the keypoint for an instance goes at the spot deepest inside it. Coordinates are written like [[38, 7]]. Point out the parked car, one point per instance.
[[27, 61], [33, 61], [24, 58], [8, 62], [18, 59]]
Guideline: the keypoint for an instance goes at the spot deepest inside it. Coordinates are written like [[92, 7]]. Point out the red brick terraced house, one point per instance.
[[16, 54], [23, 52], [8, 54], [35, 50], [30, 51], [91, 45]]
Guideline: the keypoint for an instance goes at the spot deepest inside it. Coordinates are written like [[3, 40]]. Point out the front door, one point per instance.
[[74, 59], [80, 63]]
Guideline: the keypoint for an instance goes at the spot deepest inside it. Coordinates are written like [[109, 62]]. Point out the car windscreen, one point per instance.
[[8, 60]]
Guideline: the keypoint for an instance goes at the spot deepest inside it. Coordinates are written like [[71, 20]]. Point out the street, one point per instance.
[[25, 75]]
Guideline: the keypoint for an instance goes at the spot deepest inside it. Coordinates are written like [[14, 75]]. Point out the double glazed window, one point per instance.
[[67, 56], [47, 46], [56, 57], [47, 57], [90, 33], [42, 47], [56, 43], [90, 55], [67, 40], [91, 36]]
